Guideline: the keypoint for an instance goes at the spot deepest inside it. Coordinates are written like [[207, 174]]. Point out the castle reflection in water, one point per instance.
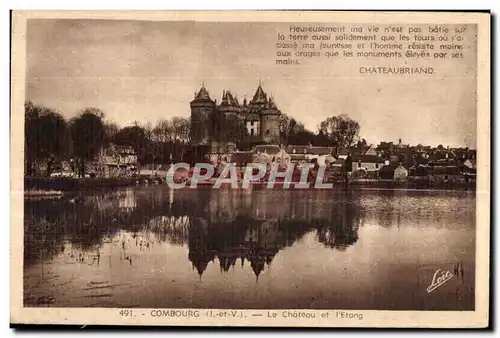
[[223, 226]]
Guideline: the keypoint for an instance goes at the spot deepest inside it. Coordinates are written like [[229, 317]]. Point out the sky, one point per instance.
[[149, 70]]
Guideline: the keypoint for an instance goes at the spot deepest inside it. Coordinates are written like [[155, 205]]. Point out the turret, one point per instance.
[[202, 107], [229, 121], [229, 103], [259, 100], [269, 117]]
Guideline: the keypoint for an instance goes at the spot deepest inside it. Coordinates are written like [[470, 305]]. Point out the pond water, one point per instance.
[[152, 247]]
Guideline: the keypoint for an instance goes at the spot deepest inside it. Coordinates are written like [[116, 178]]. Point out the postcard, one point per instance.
[[253, 168]]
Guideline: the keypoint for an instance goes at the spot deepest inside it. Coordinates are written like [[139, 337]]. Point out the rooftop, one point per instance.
[[260, 97], [367, 159], [202, 95], [269, 149]]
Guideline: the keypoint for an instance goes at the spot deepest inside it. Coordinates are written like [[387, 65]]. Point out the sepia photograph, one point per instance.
[[250, 168]]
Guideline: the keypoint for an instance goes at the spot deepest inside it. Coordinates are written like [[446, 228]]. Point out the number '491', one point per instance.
[[125, 313]]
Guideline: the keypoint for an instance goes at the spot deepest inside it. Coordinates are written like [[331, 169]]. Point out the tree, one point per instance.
[[88, 135], [294, 132], [134, 136], [171, 137], [361, 143], [341, 130], [110, 131], [184, 134], [163, 131], [295, 127], [148, 129], [176, 126], [321, 139], [284, 128], [31, 131], [184, 130], [46, 135]]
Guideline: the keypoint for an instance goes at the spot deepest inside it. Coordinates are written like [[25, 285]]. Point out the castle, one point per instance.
[[216, 126]]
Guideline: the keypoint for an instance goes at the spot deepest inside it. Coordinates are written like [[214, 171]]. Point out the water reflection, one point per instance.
[[222, 225], [310, 249]]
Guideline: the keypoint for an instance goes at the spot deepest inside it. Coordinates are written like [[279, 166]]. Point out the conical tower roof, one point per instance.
[[224, 100], [229, 99], [202, 94], [260, 96], [235, 100]]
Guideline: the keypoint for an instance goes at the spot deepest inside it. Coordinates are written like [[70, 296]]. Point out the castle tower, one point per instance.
[[229, 104], [269, 117], [202, 108], [231, 123]]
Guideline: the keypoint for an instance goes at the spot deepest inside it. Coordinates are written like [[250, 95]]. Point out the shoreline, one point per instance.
[[56, 187]]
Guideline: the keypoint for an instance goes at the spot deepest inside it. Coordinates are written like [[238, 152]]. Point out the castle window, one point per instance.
[[251, 123], [267, 131], [251, 132]]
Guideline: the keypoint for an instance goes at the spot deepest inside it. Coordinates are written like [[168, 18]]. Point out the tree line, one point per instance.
[[49, 137], [335, 131]]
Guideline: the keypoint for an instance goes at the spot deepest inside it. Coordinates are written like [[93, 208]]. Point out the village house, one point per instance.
[[445, 174], [320, 155], [366, 166], [442, 156], [342, 167], [270, 154], [387, 171], [400, 173], [63, 169], [420, 166], [336, 169], [241, 158], [368, 162], [343, 153], [463, 154], [470, 163], [270, 150], [469, 170], [393, 171], [339, 163], [385, 148], [422, 150], [372, 150], [298, 158], [116, 161]]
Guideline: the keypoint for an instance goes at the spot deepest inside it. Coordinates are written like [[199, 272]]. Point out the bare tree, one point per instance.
[[184, 130], [110, 130], [163, 131]]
